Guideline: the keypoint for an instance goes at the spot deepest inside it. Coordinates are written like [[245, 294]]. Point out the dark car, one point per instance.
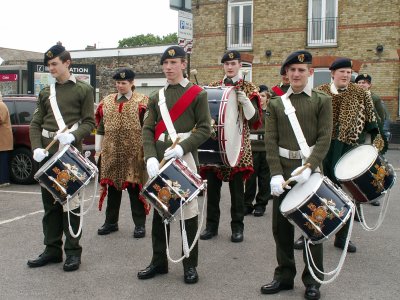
[[23, 167]]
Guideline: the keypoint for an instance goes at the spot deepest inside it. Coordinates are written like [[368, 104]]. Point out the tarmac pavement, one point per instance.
[[227, 270]]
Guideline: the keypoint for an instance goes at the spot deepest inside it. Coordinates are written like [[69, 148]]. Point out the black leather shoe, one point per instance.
[[299, 243], [375, 203], [107, 228], [190, 275], [139, 232], [208, 234], [339, 243], [275, 287], [237, 236], [259, 211], [248, 210], [312, 292], [72, 263], [43, 259], [152, 271]]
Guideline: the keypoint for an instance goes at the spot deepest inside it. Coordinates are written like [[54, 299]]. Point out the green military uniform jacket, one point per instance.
[[315, 117], [75, 100], [195, 118], [259, 144], [380, 110]]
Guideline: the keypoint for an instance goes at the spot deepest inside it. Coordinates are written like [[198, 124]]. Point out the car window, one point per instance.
[[25, 111], [11, 110]]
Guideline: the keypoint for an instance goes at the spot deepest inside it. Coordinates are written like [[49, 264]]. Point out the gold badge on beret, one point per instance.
[[122, 75], [231, 55], [351, 63], [171, 52], [49, 54], [365, 75], [300, 57]]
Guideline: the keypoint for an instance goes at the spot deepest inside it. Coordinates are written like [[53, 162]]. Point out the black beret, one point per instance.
[[363, 77], [230, 55], [297, 57], [173, 52], [263, 88], [53, 52], [341, 62], [124, 74]]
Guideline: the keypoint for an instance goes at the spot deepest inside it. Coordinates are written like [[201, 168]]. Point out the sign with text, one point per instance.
[[8, 77], [185, 30]]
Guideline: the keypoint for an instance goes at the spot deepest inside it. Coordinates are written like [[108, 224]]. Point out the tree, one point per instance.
[[148, 40]]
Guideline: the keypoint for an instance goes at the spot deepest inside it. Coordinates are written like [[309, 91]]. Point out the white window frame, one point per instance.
[[322, 41], [240, 45]]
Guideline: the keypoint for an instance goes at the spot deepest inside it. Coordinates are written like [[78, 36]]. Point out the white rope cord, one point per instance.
[[197, 233], [381, 217], [337, 270], [93, 198]]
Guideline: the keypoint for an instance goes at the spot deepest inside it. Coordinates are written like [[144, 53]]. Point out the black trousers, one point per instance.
[[236, 188], [159, 242], [260, 178], [283, 232], [114, 204]]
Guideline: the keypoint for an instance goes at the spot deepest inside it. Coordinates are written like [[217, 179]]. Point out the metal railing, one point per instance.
[[322, 31], [240, 35]]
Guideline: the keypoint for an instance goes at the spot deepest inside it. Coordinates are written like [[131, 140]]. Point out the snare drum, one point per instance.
[[174, 186], [317, 207], [225, 146], [365, 173], [66, 173]]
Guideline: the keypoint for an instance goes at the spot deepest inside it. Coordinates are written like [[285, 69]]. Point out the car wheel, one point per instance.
[[23, 167]]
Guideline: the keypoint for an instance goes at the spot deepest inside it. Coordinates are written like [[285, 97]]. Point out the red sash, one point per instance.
[[179, 107], [278, 90]]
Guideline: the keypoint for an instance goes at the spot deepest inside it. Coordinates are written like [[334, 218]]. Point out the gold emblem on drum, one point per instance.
[[379, 178]]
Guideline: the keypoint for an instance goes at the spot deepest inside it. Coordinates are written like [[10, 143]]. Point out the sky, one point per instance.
[[36, 25]]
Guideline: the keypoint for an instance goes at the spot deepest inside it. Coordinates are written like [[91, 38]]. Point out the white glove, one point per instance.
[[152, 166], [174, 152], [39, 154], [65, 138], [302, 177], [276, 185], [248, 108], [98, 142]]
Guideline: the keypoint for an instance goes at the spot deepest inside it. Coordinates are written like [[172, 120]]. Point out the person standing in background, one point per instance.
[[6, 143]]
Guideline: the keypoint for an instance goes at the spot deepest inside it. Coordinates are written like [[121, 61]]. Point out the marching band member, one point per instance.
[[187, 106], [281, 88], [75, 100], [119, 140], [249, 99], [314, 114]]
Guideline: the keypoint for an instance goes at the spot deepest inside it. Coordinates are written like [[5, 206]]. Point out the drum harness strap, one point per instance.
[[61, 125], [172, 133], [305, 153]]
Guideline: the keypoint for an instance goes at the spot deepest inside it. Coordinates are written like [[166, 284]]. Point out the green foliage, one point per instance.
[[148, 40]]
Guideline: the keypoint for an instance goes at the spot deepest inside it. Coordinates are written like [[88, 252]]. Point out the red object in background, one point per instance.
[[8, 77]]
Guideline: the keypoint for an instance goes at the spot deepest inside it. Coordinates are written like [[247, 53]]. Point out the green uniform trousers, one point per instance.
[[159, 242], [261, 178], [55, 222], [283, 232], [236, 188], [114, 204]]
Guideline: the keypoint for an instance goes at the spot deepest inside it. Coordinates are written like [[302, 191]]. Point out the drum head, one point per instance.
[[301, 192], [233, 128], [355, 162]]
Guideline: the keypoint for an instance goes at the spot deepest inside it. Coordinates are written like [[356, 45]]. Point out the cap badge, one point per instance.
[[49, 54], [171, 52], [351, 63], [122, 74], [231, 55], [365, 75], [300, 57]]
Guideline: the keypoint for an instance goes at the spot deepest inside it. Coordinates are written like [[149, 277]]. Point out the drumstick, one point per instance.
[[307, 165], [172, 147], [54, 141], [194, 73]]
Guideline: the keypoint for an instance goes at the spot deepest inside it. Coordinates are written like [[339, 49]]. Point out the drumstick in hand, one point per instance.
[[307, 165], [173, 146], [54, 141]]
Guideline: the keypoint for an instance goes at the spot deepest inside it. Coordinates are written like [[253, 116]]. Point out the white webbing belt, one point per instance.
[[290, 154], [165, 137]]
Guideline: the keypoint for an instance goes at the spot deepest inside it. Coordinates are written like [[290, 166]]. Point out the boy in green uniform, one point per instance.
[[193, 127], [76, 104], [314, 113]]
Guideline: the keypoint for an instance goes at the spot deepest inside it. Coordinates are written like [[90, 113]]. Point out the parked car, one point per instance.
[[22, 165]]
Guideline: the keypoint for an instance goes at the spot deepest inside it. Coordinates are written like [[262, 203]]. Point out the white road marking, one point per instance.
[[20, 217], [17, 192]]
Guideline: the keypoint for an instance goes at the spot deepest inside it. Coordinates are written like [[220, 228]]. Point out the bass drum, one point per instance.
[[225, 146]]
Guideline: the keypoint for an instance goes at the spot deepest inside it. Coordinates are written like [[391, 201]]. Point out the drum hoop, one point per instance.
[[363, 171], [56, 156]]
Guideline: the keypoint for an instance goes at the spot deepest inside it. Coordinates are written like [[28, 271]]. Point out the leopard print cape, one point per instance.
[[352, 109], [245, 164], [122, 153]]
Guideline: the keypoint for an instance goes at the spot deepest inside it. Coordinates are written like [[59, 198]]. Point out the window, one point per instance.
[[25, 110], [240, 24], [322, 22], [322, 76]]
